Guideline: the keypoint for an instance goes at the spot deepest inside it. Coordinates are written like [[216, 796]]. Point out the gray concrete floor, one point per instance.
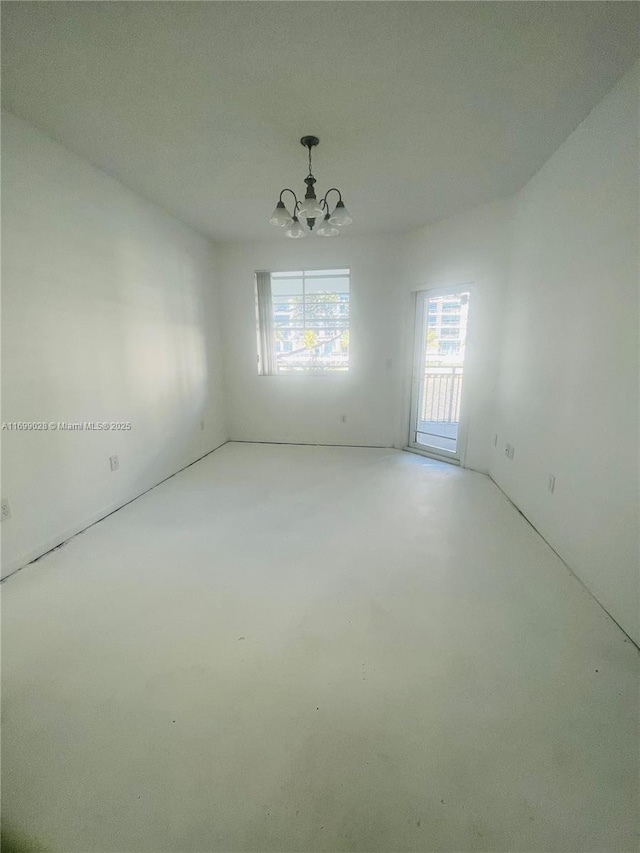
[[315, 649], [438, 435]]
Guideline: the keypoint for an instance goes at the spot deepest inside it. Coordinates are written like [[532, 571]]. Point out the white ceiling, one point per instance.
[[423, 108]]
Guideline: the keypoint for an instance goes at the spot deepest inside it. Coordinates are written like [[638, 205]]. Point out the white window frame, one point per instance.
[[265, 330]]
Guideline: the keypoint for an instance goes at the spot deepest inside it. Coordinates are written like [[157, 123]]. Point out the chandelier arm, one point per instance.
[[287, 190], [332, 190]]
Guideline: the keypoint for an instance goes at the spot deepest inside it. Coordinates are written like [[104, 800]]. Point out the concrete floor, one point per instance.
[[315, 649], [438, 435]]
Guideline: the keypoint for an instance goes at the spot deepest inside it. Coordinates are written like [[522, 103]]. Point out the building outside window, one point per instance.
[[447, 329]]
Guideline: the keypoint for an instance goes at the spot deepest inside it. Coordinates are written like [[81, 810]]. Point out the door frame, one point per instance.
[[419, 323]]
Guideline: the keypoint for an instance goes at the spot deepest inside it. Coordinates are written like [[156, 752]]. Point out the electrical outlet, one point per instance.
[[343, 418], [5, 512], [201, 426], [509, 450], [551, 483], [114, 463]]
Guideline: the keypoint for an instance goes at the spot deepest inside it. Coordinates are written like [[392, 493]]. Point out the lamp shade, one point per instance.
[[326, 229], [309, 208], [340, 215], [281, 216], [295, 230]]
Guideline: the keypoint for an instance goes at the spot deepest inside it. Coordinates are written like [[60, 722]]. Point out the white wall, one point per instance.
[[471, 248], [109, 313], [308, 409], [374, 395], [568, 397]]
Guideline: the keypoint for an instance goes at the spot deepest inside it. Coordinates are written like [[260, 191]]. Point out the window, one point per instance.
[[303, 321]]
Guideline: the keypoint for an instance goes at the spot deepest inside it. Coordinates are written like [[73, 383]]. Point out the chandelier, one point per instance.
[[310, 209]]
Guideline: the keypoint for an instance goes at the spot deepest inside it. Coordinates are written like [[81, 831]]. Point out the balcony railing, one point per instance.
[[441, 392]]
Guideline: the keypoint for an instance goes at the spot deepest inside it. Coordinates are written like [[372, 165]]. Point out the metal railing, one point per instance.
[[441, 392]]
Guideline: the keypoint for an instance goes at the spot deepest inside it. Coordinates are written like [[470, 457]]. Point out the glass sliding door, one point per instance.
[[438, 372]]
